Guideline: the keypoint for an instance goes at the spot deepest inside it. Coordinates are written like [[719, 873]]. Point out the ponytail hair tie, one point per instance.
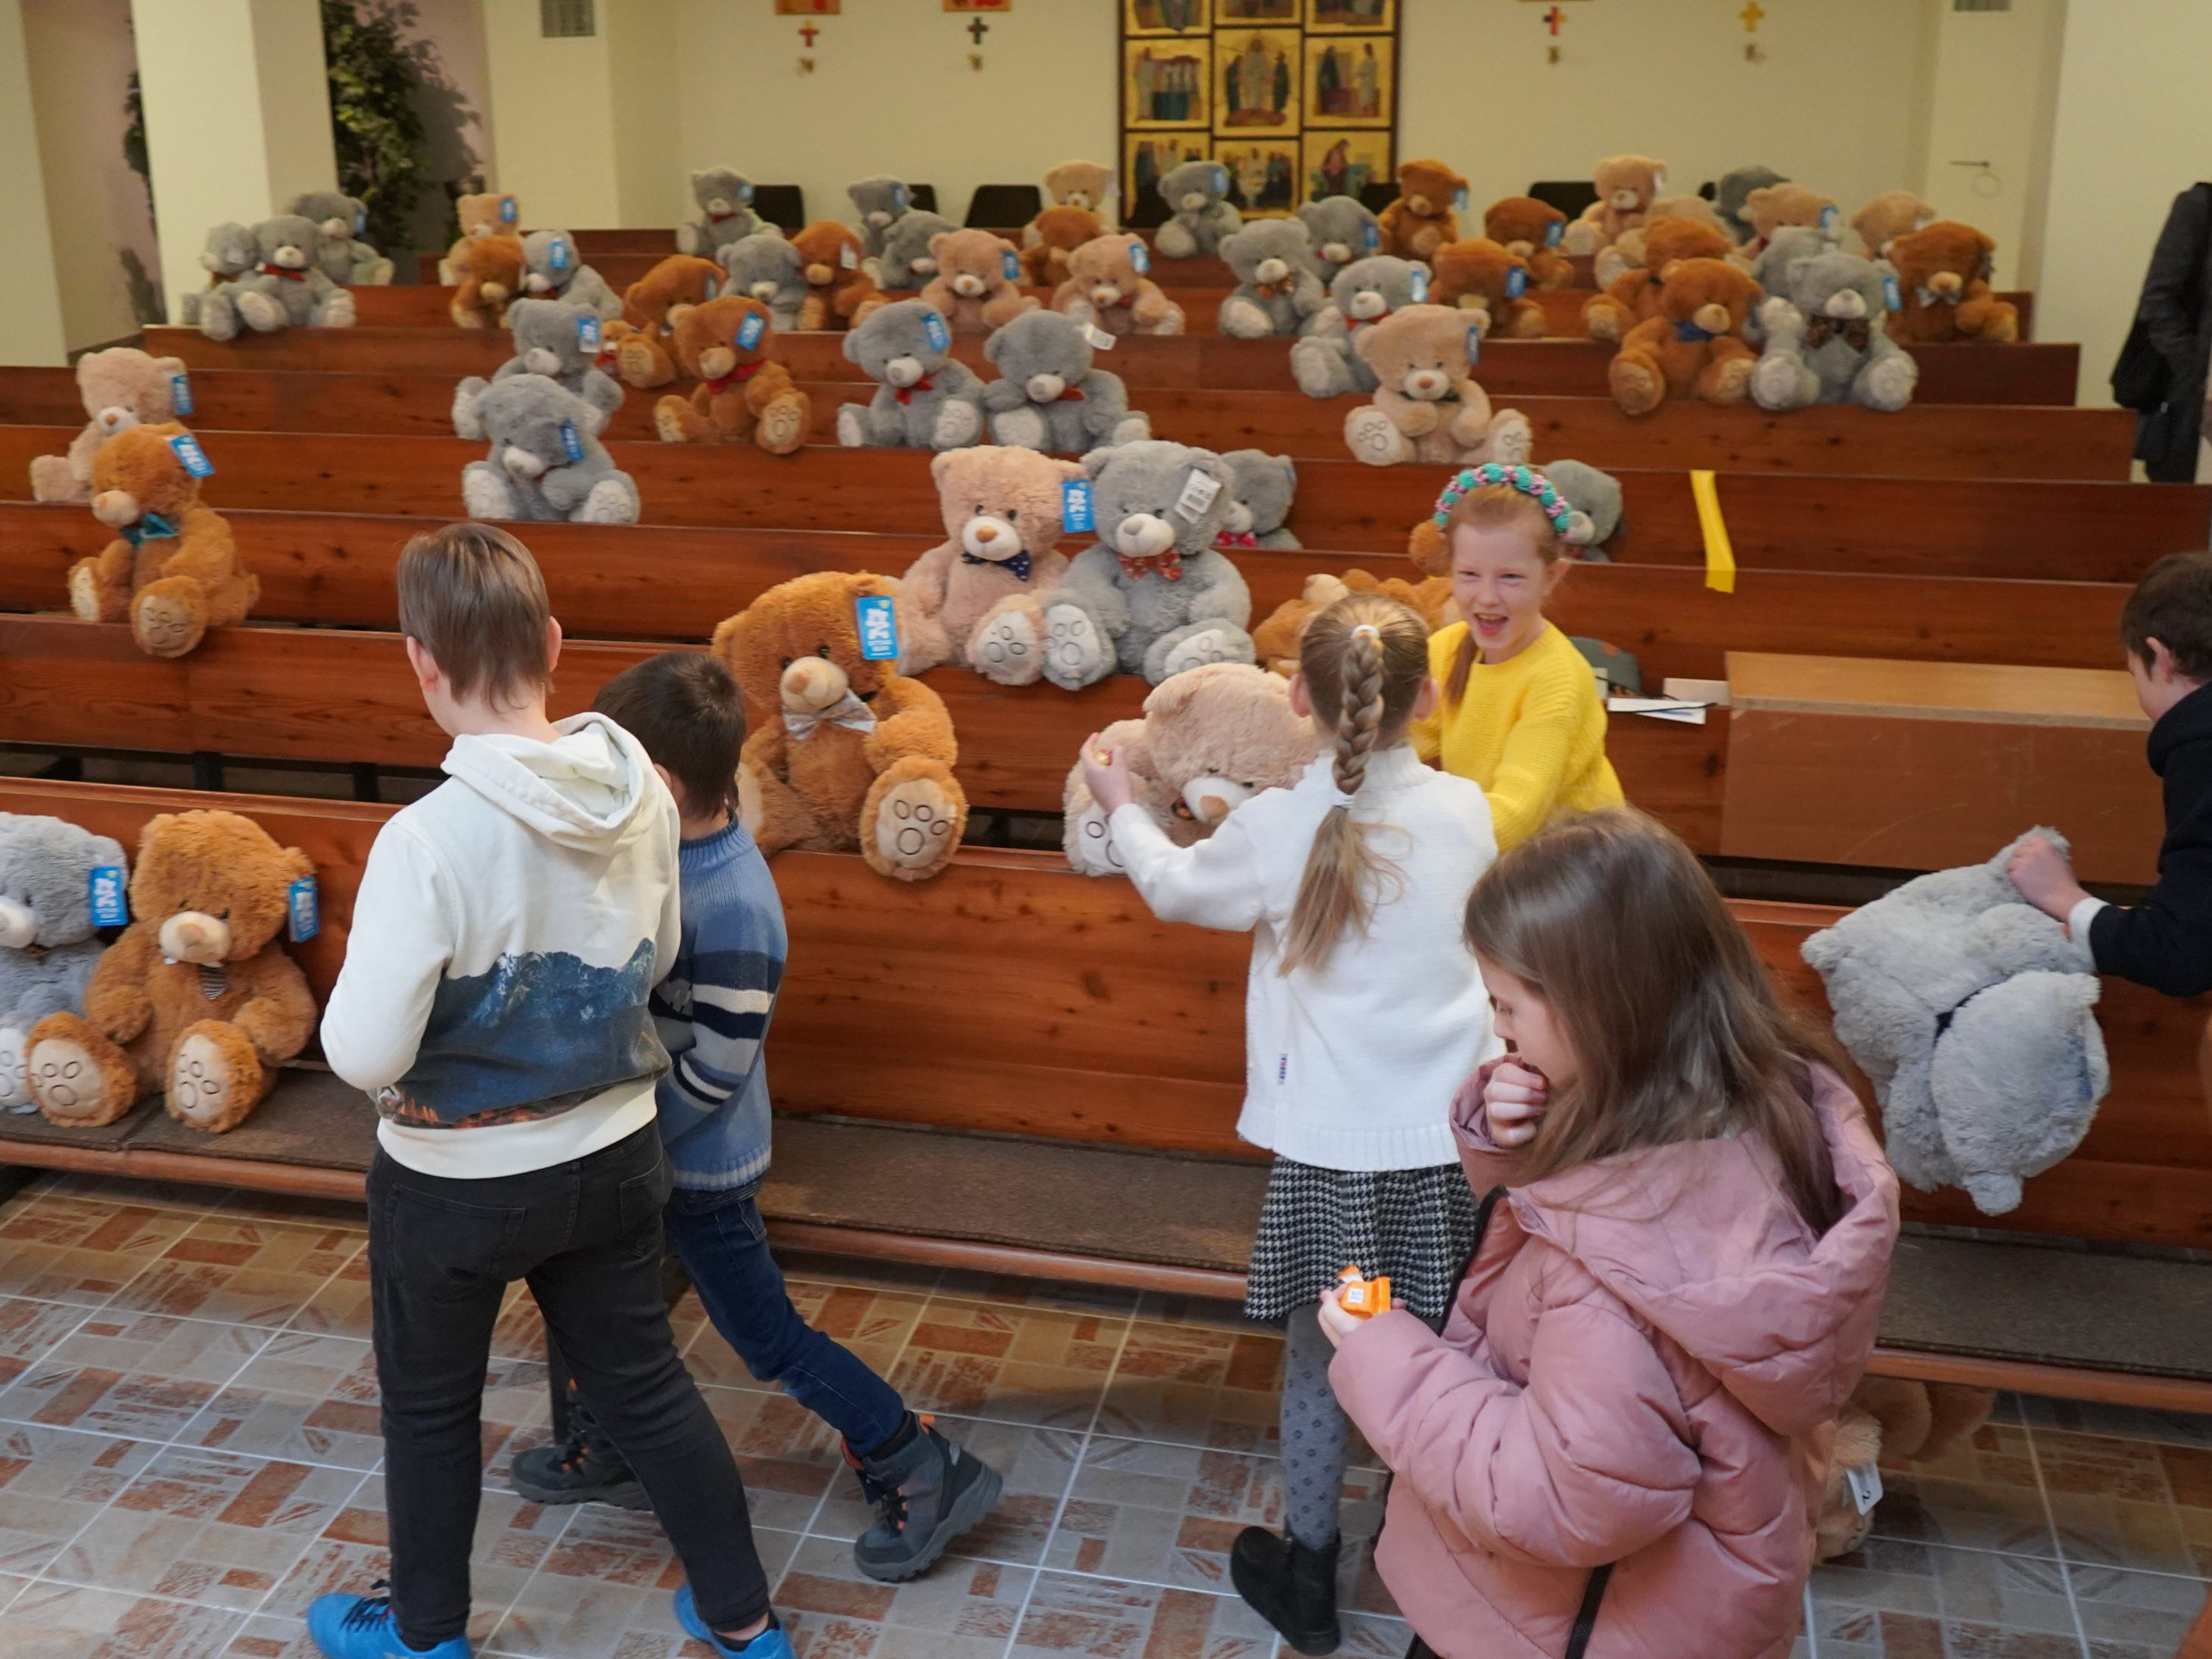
[[1525, 479], [1370, 630]]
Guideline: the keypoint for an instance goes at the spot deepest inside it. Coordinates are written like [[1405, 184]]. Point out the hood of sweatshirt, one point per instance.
[[583, 791], [2189, 720]]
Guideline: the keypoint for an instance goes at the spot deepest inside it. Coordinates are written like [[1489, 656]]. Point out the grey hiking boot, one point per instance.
[[587, 1469], [927, 1492]]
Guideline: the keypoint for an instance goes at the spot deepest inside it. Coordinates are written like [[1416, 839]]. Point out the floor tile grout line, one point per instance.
[[2051, 1519], [529, 1579], [1812, 1638]]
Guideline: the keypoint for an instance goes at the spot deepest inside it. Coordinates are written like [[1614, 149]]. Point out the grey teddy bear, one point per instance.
[[545, 461], [1365, 291], [554, 338], [1278, 291], [1158, 508], [1341, 230], [1973, 1014], [286, 289], [766, 268], [227, 254], [346, 260], [1769, 269], [1195, 193], [553, 269], [924, 398], [881, 202], [48, 947], [1594, 503], [1049, 395], [907, 262], [1261, 489], [725, 213], [1827, 340]]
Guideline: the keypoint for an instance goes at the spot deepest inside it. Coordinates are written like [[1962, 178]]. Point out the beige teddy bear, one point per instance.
[[1081, 184], [1105, 288], [974, 598], [121, 387], [1427, 406], [1626, 187]]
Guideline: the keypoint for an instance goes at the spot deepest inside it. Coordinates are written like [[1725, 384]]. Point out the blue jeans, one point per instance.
[[723, 1245]]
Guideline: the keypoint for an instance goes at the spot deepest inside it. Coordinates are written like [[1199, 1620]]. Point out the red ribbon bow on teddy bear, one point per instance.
[[1281, 290], [742, 372], [286, 272], [927, 383], [1167, 565], [1854, 331], [1236, 538]]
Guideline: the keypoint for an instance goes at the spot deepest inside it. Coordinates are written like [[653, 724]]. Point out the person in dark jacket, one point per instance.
[[2165, 942], [2162, 371]]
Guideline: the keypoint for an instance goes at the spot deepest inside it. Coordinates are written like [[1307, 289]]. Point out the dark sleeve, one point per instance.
[[2173, 291], [2166, 942]]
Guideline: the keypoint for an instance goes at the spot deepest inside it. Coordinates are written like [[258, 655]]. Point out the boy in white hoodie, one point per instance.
[[509, 927]]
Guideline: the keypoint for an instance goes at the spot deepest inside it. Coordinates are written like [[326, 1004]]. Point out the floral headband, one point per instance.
[[1526, 479]]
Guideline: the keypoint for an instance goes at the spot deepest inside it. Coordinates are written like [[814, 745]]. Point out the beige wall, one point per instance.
[[643, 43], [1995, 84], [552, 118], [31, 330]]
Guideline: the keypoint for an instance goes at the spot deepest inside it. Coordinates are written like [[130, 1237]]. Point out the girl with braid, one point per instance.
[[1364, 1015]]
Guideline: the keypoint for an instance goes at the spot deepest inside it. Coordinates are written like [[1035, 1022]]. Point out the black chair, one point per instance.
[[1003, 207], [921, 198], [783, 206], [1709, 191], [1569, 196], [1144, 211], [1379, 195]]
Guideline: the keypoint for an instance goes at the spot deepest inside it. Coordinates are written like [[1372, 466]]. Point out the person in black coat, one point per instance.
[[2161, 373], [2166, 941]]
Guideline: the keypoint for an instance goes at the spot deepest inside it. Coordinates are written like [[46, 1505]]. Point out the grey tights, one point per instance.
[[1314, 1433]]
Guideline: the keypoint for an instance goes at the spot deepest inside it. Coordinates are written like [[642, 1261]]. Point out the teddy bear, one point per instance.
[[120, 388], [172, 570], [1051, 238], [1733, 191], [491, 269], [1340, 229], [836, 286], [1826, 342], [1199, 214], [1427, 406], [1423, 218], [1261, 489], [1895, 1419], [1634, 296], [974, 598], [1974, 1016], [771, 270], [743, 393], [487, 214], [556, 340], [1107, 288], [924, 399], [546, 460], [846, 752], [345, 258], [636, 346], [1363, 293], [285, 289], [1534, 231], [1629, 253], [880, 201], [1694, 346], [1081, 184], [227, 254], [975, 286], [1152, 596], [1770, 270], [1480, 278], [48, 926], [1942, 280], [553, 269], [1626, 187], [1048, 396], [1276, 640], [907, 263], [725, 213], [196, 1000], [1786, 206], [1278, 288], [1209, 741], [1890, 215]]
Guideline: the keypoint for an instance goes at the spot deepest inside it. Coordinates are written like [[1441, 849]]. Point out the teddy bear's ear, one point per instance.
[[937, 243], [1310, 212], [851, 345], [298, 863], [1290, 469], [1172, 696], [728, 641], [1095, 462], [157, 827], [1428, 549]]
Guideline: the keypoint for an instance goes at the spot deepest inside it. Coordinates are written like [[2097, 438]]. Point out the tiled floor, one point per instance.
[[188, 1456]]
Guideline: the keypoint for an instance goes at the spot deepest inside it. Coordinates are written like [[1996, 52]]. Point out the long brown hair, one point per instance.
[[1492, 507], [1614, 923], [1364, 659]]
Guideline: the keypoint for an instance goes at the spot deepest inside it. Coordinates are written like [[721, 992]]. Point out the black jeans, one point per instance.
[[586, 1237]]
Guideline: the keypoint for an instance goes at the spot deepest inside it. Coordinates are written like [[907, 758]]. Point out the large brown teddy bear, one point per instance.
[[1052, 236], [1694, 346], [1890, 215], [1774, 207], [490, 270], [1422, 219], [975, 283], [1276, 641], [652, 307], [172, 570], [488, 215], [836, 286], [973, 599], [1534, 230], [1891, 1420], [1626, 187], [1105, 288], [198, 999], [1427, 404], [120, 388], [743, 394], [1632, 297], [1942, 278], [845, 753], [1479, 276]]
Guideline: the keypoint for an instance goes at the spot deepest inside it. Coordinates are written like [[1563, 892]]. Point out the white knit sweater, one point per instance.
[[1354, 1065]]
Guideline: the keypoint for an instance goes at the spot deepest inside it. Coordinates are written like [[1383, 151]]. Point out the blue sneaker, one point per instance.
[[361, 1628], [770, 1643]]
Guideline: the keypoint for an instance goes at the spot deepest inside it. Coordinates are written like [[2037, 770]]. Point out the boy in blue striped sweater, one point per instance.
[[713, 1010]]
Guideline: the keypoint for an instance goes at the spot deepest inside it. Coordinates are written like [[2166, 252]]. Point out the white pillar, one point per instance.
[[238, 117], [30, 322]]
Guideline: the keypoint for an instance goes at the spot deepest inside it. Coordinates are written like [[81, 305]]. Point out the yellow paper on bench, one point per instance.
[[1720, 557]]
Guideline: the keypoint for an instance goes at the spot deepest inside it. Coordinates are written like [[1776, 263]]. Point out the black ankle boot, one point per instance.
[[1292, 1587]]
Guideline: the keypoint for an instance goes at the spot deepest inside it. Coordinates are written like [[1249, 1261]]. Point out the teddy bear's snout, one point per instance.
[[1044, 388], [989, 538], [1143, 536], [521, 462], [1271, 271], [1427, 383], [211, 262], [115, 418], [1625, 201], [18, 927], [340, 229], [538, 361], [879, 218], [115, 508], [1105, 293], [1212, 799], [1847, 303], [195, 936], [1368, 304], [1192, 201], [1240, 519], [493, 293], [967, 283], [1582, 529], [1419, 206], [290, 258], [901, 371], [718, 204], [715, 362], [1522, 250], [1336, 253], [819, 276], [538, 282], [1713, 319], [762, 291], [813, 683], [1946, 284], [925, 266]]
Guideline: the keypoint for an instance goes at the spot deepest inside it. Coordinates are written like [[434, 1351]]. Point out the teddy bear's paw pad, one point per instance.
[[1074, 650], [14, 1080], [338, 312], [67, 1081], [914, 822], [782, 426], [1007, 649], [1132, 429], [1207, 645], [668, 421], [610, 502], [1609, 268], [1019, 428], [1242, 320], [1171, 322], [1316, 367], [959, 423], [84, 594], [202, 1087], [1173, 242], [1090, 844], [1888, 385], [484, 497], [1512, 442], [1580, 240], [1732, 381], [165, 625], [1604, 324], [1775, 383], [260, 311], [1635, 387], [1372, 438], [852, 434]]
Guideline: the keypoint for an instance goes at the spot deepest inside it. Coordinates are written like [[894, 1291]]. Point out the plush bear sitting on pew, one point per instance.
[[1426, 215], [553, 269], [285, 289], [1943, 279], [346, 260], [1049, 241], [907, 262], [120, 388], [1198, 213], [1635, 296], [1106, 287], [1427, 406], [744, 394], [556, 339], [227, 254], [48, 943], [197, 1000], [1827, 340], [1262, 489], [636, 346], [1694, 347], [173, 571], [1626, 187], [725, 213], [491, 274], [1341, 229], [1048, 396], [838, 286], [771, 270], [546, 460], [1080, 183], [1278, 290], [1364, 292], [486, 214], [881, 202], [1480, 278], [977, 599], [977, 284], [925, 399]]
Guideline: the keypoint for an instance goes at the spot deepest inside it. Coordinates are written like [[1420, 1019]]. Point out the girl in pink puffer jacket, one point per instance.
[[1614, 1449]]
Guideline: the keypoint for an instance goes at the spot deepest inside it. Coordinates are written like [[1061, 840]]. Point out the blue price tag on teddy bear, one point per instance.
[[1140, 258], [570, 443], [1555, 233], [556, 254], [1891, 298], [934, 331], [1832, 218], [1010, 265], [509, 210], [879, 624], [191, 456], [1417, 286], [1459, 200], [1370, 237], [304, 909], [360, 222], [898, 198], [1517, 282], [1474, 345], [111, 907], [587, 333], [745, 194], [180, 393], [1075, 505], [751, 329]]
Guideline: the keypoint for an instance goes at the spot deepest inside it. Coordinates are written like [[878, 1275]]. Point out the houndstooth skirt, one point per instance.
[[1416, 1225]]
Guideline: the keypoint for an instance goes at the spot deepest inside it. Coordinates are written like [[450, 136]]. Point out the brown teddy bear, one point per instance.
[[836, 286], [1632, 297], [1276, 641], [651, 308], [1771, 207], [490, 270], [973, 599], [1893, 1420], [1427, 404], [1628, 254], [1694, 345], [743, 393], [1479, 276], [1080, 183], [1626, 187], [845, 753], [172, 569], [975, 283], [1534, 230], [198, 999], [1105, 289], [120, 388], [488, 215], [1422, 219], [1942, 278], [1890, 215], [1052, 236]]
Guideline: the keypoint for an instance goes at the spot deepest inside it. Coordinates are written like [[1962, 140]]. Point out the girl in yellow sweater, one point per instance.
[[1519, 713]]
